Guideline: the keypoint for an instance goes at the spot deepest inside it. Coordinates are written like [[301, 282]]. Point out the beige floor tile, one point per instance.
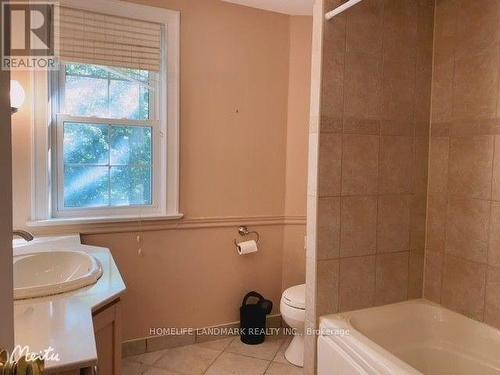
[[132, 368], [189, 360], [267, 350], [280, 356], [219, 345], [158, 371], [229, 363], [147, 358], [283, 369]]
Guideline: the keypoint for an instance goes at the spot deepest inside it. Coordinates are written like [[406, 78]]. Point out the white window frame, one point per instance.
[[47, 131]]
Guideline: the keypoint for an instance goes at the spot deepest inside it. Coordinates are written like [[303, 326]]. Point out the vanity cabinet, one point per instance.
[[108, 337]]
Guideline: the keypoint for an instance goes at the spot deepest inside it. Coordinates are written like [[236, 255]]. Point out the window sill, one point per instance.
[[66, 221]]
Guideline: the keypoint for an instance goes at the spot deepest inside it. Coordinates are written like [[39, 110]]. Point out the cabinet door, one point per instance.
[[107, 328]]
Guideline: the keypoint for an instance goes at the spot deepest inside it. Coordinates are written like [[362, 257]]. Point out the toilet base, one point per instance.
[[295, 351]]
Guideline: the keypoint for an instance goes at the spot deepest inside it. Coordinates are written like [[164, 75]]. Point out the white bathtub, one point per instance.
[[413, 337]]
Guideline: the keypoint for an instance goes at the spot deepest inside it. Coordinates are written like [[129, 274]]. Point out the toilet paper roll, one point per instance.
[[247, 247]]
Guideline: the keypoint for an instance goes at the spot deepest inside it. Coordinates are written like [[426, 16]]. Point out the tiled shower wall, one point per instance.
[[367, 214], [373, 154], [463, 227]]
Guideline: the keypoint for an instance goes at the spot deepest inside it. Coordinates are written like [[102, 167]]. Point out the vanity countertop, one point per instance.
[[64, 321]]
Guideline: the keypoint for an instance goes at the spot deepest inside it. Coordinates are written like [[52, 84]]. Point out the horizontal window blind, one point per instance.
[[101, 39]]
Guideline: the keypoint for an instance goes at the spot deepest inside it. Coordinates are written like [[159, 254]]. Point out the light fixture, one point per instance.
[[17, 96]]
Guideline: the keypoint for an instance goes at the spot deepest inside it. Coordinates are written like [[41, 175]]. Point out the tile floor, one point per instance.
[[220, 357]]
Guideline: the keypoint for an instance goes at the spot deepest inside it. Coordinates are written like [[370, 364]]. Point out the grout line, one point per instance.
[[342, 134], [215, 360], [443, 253], [377, 250], [219, 355], [488, 247]]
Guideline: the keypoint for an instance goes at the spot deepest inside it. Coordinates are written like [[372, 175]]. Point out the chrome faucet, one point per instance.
[[27, 236]]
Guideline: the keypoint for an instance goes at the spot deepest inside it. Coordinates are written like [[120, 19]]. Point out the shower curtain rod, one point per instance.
[[341, 9]]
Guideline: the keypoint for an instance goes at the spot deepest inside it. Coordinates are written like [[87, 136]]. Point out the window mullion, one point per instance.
[[109, 165], [108, 96]]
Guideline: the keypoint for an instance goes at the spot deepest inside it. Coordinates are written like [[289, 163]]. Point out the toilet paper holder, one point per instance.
[[243, 231]]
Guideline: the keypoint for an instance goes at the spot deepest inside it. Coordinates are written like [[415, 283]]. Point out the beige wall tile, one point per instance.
[[328, 282], [415, 274], [396, 165], [467, 229], [335, 32], [400, 29], [442, 89], [398, 93], [470, 166], [331, 124], [476, 86], [441, 129], [495, 195], [438, 165], [359, 226], [328, 228], [464, 286], [445, 25], [492, 305], [425, 34], [360, 164], [329, 167], [364, 27], [332, 84], [418, 205], [362, 90], [357, 282], [393, 227], [391, 281], [470, 128], [494, 236], [477, 26], [433, 275], [436, 222], [356, 125], [421, 165], [463, 175], [397, 127]]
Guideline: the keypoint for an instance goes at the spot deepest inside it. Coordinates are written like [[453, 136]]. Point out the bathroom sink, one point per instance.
[[47, 273]]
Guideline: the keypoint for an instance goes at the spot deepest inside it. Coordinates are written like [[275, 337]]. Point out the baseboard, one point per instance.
[[167, 341]]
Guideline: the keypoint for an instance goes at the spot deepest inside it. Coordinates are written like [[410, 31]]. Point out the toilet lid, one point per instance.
[[295, 296]]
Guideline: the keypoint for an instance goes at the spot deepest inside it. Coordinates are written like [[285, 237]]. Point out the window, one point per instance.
[[107, 129], [113, 128]]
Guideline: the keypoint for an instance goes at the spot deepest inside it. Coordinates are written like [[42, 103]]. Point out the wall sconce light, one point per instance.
[[17, 96]]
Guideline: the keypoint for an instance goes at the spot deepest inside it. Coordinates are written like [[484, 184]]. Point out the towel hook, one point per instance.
[[243, 231]]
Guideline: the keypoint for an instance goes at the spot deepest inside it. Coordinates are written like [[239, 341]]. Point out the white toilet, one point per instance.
[[293, 312]]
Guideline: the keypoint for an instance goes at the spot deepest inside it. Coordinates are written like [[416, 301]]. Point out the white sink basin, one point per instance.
[[47, 273]]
